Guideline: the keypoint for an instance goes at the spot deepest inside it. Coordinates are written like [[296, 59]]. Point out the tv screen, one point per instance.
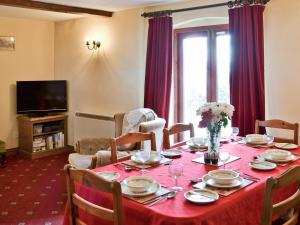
[[41, 96]]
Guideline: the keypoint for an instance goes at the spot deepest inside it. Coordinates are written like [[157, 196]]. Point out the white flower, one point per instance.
[[219, 110]]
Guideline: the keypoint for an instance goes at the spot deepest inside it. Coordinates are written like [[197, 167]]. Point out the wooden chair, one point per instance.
[[128, 139], [176, 129], [280, 124], [288, 209], [90, 179]]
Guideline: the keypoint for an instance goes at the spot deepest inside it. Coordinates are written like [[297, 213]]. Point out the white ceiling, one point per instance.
[[109, 5]]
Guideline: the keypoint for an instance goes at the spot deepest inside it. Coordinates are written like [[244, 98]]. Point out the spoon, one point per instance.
[[170, 195]]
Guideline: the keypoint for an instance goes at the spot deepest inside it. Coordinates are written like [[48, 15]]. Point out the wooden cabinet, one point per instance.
[[43, 136]]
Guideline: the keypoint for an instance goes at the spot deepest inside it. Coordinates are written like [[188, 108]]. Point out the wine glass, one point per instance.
[[143, 156], [224, 156], [175, 171], [235, 132]]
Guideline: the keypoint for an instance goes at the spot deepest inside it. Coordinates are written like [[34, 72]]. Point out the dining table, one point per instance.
[[243, 207]]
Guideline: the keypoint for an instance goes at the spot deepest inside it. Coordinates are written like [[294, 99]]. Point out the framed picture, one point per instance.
[[7, 43]]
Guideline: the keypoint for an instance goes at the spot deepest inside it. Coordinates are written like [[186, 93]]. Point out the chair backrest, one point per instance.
[[177, 129], [280, 124], [90, 179], [130, 138], [289, 208]]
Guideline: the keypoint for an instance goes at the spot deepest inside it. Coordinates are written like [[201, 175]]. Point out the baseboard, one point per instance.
[[12, 151], [15, 151]]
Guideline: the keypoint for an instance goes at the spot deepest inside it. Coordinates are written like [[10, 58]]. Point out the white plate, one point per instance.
[[154, 187], [201, 196], [287, 146], [108, 175], [262, 165], [155, 158], [224, 140], [269, 158], [211, 182], [171, 153]]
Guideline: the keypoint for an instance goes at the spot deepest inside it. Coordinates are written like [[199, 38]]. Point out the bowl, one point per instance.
[[278, 154], [138, 184], [258, 139], [199, 141], [223, 176]]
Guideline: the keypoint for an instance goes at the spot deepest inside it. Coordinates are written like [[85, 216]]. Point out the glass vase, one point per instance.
[[213, 139]]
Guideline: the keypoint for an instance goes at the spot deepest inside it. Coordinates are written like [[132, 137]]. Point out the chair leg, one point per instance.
[[94, 162]]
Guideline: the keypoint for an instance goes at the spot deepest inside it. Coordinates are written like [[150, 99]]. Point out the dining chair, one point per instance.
[[94, 152], [90, 179], [287, 211], [280, 124], [177, 129], [129, 138]]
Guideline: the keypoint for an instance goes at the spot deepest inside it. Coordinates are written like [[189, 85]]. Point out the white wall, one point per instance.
[[106, 81], [33, 59], [282, 54]]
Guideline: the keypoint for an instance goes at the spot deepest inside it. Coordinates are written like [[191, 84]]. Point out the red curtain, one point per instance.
[[159, 66], [247, 88]]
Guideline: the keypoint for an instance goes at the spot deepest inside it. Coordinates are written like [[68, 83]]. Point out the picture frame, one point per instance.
[[7, 43]]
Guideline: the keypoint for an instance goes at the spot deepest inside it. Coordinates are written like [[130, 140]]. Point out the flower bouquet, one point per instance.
[[213, 116]]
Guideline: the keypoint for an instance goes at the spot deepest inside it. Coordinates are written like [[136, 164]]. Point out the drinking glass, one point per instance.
[[175, 171], [224, 156], [235, 132], [143, 156]]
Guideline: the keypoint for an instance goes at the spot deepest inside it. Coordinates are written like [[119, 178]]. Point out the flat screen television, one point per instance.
[[41, 97]]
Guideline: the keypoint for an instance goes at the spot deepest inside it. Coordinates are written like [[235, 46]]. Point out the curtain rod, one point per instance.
[[230, 4]]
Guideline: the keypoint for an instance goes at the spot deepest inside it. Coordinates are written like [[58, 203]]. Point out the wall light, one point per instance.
[[92, 45]]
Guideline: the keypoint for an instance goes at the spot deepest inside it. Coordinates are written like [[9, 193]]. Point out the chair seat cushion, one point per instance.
[[80, 161], [103, 157]]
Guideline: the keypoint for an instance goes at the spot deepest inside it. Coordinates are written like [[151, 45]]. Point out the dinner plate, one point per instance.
[[211, 182], [262, 165], [268, 157], [108, 175], [286, 146], [154, 187], [288, 159], [201, 196], [155, 158], [171, 153]]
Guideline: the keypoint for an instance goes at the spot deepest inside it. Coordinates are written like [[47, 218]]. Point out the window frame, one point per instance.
[[179, 35]]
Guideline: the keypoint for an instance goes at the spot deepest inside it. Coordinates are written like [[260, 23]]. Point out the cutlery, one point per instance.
[[155, 198], [169, 195], [127, 168], [195, 180], [202, 194], [251, 176]]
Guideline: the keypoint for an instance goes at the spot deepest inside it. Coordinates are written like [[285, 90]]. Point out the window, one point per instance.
[[202, 58]]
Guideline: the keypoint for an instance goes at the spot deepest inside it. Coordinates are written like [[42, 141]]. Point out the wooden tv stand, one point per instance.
[[43, 136]]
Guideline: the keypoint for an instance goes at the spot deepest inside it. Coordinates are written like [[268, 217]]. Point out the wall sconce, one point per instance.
[[92, 45]]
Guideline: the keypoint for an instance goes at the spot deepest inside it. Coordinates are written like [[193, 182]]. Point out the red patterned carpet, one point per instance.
[[33, 192]]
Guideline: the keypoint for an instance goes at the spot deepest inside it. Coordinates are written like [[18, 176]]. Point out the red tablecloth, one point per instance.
[[241, 208]]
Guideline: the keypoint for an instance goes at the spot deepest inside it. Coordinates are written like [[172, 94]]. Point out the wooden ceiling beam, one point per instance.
[[54, 7]]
